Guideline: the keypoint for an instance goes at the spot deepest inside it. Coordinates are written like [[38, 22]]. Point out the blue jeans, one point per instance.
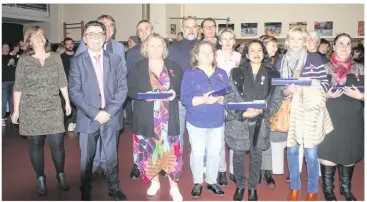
[[312, 168], [209, 141], [7, 96]]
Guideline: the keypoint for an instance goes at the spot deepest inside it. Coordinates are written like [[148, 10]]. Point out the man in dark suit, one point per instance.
[[111, 46], [98, 88]]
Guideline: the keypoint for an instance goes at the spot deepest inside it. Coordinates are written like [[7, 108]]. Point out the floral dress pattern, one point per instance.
[[161, 152]]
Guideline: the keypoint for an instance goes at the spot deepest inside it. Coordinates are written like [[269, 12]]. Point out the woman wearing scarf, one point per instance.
[[309, 121], [344, 146], [248, 130]]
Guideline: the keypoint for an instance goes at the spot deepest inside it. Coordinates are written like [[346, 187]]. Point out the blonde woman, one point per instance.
[[227, 59], [309, 119], [156, 128]]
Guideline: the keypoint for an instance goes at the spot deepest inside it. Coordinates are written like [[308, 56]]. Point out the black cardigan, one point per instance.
[[138, 81], [250, 89]]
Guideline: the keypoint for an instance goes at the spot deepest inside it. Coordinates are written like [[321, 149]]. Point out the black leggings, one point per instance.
[[36, 144]]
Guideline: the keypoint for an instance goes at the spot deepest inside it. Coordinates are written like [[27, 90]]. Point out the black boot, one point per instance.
[[41, 186], [63, 184], [345, 177], [252, 195], [135, 173], [327, 178], [238, 195], [222, 179], [232, 178], [268, 178]]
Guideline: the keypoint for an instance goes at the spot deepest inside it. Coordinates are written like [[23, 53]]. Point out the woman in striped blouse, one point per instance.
[[310, 101]]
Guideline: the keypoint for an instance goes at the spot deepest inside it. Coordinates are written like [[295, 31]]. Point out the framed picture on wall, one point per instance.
[[248, 29], [173, 29], [324, 28], [302, 25], [361, 28], [222, 26], [273, 28]]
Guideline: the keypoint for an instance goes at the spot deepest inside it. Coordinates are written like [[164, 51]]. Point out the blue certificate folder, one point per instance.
[[221, 92], [287, 82], [154, 96], [360, 88], [256, 104]]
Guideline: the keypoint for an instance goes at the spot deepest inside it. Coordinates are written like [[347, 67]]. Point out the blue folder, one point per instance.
[[287, 82], [360, 88], [256, 104], [153, 96], [221, 92]]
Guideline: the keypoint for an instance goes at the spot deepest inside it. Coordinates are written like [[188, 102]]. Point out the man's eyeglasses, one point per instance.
[[94, 35]]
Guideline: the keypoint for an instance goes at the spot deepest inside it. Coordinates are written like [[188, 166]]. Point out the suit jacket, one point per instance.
[[85, 95]]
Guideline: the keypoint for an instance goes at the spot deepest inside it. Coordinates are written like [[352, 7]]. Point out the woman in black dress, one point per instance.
[[343, 147]]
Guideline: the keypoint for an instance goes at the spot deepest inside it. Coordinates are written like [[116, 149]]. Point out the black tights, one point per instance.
[[36, 153]]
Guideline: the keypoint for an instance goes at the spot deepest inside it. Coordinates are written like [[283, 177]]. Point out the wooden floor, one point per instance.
[[19, 180]]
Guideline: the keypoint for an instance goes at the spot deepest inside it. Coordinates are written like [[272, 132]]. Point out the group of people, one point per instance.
[[325, 125]]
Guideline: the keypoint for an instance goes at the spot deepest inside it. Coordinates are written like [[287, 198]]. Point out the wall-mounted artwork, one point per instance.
[[273, 28], [222, 26], [173, 29], [361, 28], [248, 29], [324, 28], [302, 25]]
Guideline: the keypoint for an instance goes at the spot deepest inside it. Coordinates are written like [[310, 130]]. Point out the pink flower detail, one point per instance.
[[220, 76]]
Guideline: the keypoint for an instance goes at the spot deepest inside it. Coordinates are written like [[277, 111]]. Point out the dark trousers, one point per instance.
[[36, 153], [255, 166], [129, 110], [88, 144], [7, 96]]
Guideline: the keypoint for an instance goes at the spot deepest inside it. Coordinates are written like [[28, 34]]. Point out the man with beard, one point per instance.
[[65, 57]]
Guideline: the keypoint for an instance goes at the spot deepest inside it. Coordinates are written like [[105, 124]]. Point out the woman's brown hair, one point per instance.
[[195, 51], [31, 31]]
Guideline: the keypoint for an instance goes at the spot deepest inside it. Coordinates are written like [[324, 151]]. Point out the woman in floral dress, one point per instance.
[[156, 139]]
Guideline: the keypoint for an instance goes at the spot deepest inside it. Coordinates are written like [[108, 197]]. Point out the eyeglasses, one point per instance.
[[94, 35]]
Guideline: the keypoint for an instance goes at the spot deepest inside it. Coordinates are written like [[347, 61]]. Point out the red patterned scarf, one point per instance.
[[340, 68]]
